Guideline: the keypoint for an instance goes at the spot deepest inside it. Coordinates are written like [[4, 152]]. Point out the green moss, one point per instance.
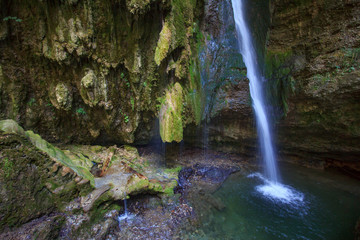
[[58, 155], [7, 167], [96, 148], [276, 61], [137, 186], [155, 187], [163, 44], [182, 13], [131, 149], [278, 69], [24, 175], [63, 96], [171, 127], [173, 170], [169, 190], [194, 95], [102, 205]]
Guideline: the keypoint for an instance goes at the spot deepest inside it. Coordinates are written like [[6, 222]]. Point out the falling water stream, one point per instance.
[[125, 216], [272, 187], [256, 90]]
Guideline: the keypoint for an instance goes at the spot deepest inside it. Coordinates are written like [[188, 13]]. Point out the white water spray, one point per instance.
[[256, 90]]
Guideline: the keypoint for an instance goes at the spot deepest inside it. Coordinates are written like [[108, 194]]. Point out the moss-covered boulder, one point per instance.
[[10, 126], [31, 184]]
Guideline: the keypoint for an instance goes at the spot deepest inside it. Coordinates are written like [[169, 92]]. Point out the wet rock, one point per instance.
[[84, 181], [204, 172], [214, 174], [89, 91], [88, 201], [100, 231], [184, 176], [110, 74], [73, 205], [73, 223]]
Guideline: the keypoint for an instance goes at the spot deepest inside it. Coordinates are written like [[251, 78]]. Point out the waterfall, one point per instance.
[[256, 90], [125, 216]]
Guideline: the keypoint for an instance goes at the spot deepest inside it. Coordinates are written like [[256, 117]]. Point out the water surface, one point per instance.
[[327, 208]]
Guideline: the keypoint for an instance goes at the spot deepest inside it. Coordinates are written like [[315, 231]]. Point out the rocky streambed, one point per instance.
[[78, 191]]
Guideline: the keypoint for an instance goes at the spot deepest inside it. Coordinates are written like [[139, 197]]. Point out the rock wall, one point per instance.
[[95, 71], [313, 63], [228, 121], [310, 55]]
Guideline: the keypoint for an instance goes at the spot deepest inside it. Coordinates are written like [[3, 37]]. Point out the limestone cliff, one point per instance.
[[94, 71], [313, 63]]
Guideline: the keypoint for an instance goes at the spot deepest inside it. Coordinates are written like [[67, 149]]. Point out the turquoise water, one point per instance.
[[328, 210]]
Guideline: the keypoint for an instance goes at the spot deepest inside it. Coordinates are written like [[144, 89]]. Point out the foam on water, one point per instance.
[[278, 192], [124, 216]]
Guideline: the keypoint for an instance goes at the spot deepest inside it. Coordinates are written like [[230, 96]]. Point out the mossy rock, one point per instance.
[[170, 117], [27, 182], [58, 155], [10, 126], [164, 43]]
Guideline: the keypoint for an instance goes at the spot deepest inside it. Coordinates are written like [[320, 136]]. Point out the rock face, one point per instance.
[[311, 62], [314, 51], [79, 71], [229, 123]]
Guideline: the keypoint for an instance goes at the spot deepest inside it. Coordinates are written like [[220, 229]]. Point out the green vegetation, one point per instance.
[[160, 101], [350, 60], [80, 111], [7, 167], [164, 42], [126, 118], [122, 76], [31, 102], [175, 170], [5, 19]]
